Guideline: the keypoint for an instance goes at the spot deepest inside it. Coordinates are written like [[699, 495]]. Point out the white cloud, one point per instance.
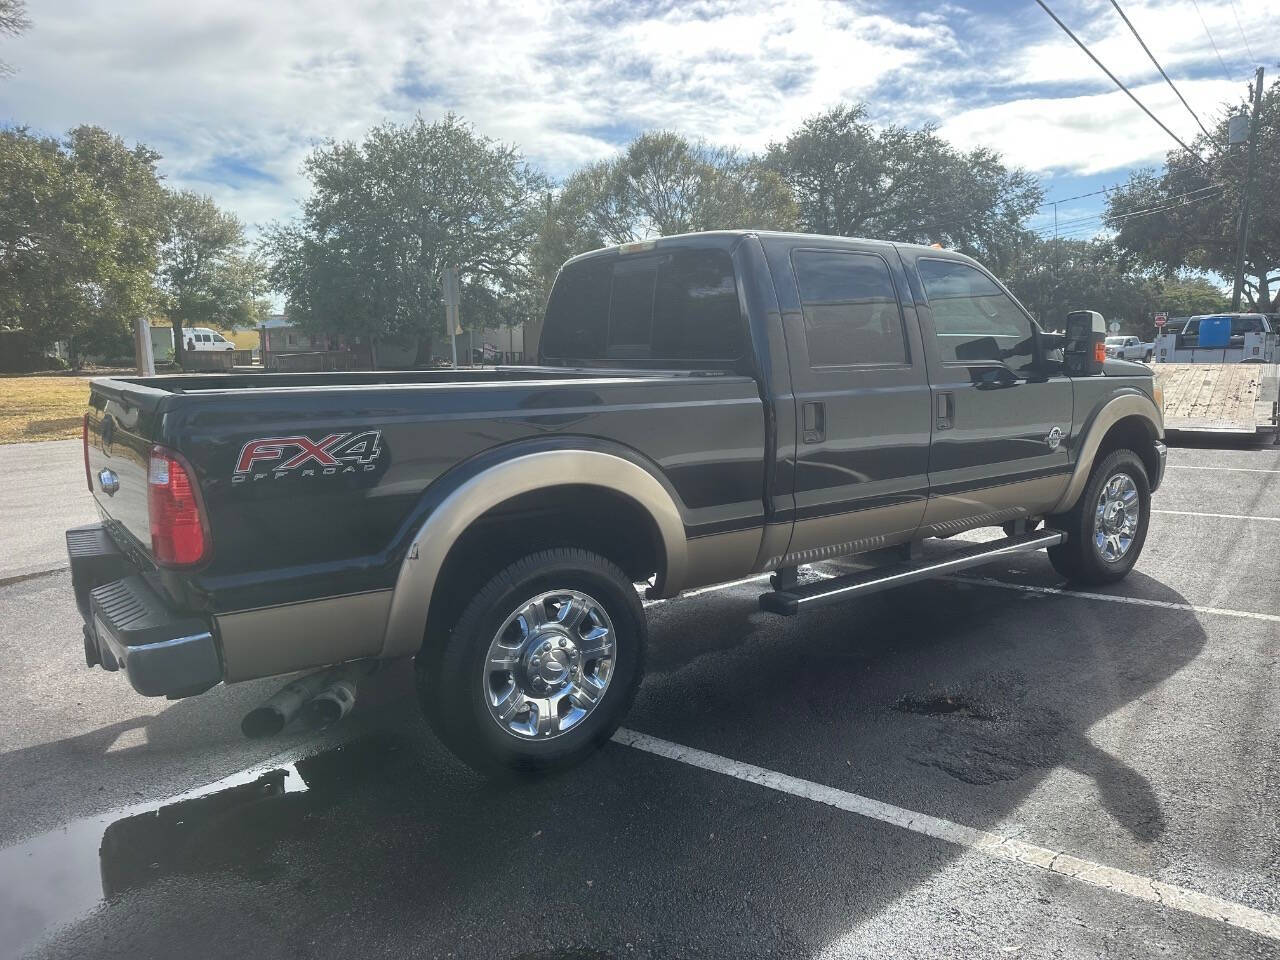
[[1085, 134], [234, 93]]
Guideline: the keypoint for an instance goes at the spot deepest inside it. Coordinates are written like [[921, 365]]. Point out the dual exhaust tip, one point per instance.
[[318, 700]]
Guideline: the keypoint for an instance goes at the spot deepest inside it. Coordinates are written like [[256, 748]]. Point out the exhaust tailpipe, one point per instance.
[[272, 716], [331, 704]]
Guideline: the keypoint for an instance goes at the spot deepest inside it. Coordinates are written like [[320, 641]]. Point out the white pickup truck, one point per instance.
[[1129, 348]]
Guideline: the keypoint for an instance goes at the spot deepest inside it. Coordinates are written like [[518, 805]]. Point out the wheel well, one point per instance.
[[574, 515], [1132, 433]]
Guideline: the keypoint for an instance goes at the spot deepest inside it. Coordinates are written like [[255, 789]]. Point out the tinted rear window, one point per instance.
[[679, 306], [851, 313]]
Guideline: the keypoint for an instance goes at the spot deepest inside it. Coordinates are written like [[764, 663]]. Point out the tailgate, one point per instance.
[[119, 439]]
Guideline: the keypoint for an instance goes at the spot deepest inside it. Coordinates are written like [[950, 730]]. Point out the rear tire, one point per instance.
[[1147, 358], [1107, 527], [540, 667]]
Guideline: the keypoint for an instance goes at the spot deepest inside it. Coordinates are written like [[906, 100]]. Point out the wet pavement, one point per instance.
[[1141, 736]]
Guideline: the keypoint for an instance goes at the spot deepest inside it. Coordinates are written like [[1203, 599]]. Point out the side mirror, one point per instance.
[[1085, 349]]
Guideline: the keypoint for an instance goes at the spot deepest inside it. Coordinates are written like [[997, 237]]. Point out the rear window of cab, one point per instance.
[[679, 306]]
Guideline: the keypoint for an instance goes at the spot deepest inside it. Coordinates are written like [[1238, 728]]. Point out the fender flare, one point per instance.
[[416, 581], [1107, 416]]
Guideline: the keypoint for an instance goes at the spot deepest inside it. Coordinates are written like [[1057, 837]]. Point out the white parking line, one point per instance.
[[993, 845], [1219, 516], [1190, 466], [1112, 598]]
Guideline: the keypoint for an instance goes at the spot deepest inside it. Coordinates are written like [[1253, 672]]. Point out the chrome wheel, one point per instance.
[[549, 665], [1116, 517]]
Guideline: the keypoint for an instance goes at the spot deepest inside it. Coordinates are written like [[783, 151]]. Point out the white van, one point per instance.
[[202, 338]]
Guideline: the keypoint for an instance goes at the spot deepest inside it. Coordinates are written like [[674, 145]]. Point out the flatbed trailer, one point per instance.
[[1220, 398]]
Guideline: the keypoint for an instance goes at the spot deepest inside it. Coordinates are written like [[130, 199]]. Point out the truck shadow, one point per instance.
[[918, 697]]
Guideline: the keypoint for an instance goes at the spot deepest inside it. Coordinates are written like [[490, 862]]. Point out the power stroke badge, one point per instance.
[[279, 458]]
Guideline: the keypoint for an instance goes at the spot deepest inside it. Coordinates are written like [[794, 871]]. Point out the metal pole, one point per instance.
[[1242, 242], [451, 319]]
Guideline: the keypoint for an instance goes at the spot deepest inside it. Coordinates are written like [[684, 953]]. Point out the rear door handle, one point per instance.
[[813, 421], [946, 410]]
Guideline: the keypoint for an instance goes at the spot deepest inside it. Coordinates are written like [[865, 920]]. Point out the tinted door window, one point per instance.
[[851, 312], [680, 306], [974, 319]]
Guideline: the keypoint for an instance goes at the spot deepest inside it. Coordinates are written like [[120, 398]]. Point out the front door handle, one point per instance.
[[946, 410], [813, 421]]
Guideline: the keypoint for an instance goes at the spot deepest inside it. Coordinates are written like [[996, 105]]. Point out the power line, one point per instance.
[[1225, 71], [1240, 27], [1137, 36], [1114, 79], [1160, 204], [1185, 198], [1080, 196]]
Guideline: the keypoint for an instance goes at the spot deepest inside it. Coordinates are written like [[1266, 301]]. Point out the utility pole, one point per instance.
[[1242, 241]]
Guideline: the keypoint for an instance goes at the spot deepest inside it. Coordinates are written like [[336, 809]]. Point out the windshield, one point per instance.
[[1115, 341]]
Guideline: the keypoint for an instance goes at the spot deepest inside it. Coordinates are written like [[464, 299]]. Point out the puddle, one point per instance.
[[56, 877]]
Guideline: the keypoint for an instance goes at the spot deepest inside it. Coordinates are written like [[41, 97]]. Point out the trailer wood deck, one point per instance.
[[1235, 398]]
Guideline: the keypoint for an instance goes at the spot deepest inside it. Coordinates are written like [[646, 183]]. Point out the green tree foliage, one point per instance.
[[852, 179], [1186, 217], [1054, 277], [13, 21], [80, 220], [206, 274], [1192, 296], [387, 215], [661, 184]]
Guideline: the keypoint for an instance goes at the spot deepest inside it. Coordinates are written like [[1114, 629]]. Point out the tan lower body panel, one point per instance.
[[294, 636], [721, 557], [956, 512], [855, 532]]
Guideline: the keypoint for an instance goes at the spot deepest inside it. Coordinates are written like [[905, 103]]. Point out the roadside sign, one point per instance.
[[450, 288], [1161, 319], [1114, 326]]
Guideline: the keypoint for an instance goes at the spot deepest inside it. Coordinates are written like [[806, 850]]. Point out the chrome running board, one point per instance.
[[792, 600]]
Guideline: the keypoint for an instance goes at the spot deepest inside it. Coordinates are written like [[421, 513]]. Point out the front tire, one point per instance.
[[541, 666], [1107, 527]]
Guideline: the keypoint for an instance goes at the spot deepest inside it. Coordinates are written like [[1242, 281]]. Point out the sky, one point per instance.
[[234, 93]]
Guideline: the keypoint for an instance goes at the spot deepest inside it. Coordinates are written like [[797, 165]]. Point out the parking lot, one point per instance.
[[988, 765]]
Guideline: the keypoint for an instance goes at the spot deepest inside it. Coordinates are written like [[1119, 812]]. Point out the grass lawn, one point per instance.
[[41, 408]]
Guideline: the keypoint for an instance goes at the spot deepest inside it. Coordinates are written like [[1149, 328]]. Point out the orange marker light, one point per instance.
[[1100, 352]]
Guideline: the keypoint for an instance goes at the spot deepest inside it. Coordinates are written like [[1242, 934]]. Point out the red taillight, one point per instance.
[[179, 531], [84, 442]]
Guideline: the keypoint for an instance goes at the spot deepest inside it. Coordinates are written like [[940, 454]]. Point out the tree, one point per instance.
[[852, 179], [387, 215], [208, 277], [661, 184], [79, 224], [1192, 296], [1054, 277], [13, 21], [1186, 217]]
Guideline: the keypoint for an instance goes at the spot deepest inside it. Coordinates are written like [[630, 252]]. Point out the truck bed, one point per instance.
[[1230, 398]]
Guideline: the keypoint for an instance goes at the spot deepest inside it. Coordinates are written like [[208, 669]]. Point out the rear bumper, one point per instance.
[[129, 626]]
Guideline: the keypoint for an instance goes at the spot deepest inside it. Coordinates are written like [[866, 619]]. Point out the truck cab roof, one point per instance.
[[727, 239]]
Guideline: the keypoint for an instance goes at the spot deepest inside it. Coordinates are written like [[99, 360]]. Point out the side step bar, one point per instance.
[[791, 601]]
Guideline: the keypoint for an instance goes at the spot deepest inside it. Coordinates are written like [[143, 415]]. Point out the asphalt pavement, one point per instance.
[[42, 493], [989, 765]]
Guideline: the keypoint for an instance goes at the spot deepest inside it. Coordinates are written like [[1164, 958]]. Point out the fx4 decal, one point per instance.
[[280, 457]]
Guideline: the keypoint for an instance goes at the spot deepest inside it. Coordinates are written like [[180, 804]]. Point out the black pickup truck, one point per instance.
[[704, 408]]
